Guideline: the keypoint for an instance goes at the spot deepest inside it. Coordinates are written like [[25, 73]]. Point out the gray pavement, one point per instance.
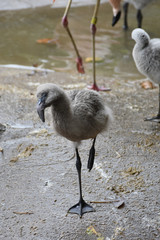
[[37, 167]]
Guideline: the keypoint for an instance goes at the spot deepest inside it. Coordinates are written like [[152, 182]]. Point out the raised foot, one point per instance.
[[80, 208], [96, 88], [154, 119]]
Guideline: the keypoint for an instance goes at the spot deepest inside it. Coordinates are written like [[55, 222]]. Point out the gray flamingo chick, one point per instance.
[[77, 115], [146, 54]]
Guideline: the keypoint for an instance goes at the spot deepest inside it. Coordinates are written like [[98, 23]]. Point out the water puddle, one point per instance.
[[16, 66], [21, 126], [21, 29]]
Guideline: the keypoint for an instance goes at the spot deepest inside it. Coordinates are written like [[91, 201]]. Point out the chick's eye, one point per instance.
[[44, 95]]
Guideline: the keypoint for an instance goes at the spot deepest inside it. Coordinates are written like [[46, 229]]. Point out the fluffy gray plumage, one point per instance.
[[146, 54], [78, 114]]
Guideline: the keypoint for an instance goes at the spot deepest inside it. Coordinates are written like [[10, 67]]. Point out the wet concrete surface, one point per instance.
[[37, 168]]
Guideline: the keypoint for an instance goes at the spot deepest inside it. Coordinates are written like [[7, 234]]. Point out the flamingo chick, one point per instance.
[[77, 115], [146, 54]]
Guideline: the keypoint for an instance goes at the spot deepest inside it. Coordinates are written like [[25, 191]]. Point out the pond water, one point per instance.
[[22, 28]]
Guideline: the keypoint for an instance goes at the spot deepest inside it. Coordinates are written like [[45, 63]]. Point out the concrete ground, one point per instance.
[[37, 168]]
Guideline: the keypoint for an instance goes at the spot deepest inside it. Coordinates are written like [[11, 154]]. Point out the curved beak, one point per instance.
[[41, 108], [116, 18]]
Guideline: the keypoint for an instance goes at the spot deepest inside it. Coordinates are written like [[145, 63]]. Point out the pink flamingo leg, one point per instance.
[[79, 62], [94, 86]]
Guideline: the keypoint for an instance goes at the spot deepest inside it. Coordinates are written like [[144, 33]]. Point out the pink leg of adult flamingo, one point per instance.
[[94, 86], [80, 67]]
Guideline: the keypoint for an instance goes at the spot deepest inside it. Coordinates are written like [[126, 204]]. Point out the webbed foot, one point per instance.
[[153, 119], [80, 208]]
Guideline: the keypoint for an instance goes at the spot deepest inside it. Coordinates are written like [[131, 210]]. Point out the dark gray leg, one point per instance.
[[139, 18], [81, 207], [157, 118], [125, 10], [91, 156], [159, 102]]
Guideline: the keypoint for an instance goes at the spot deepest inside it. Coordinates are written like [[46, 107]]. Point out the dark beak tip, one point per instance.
[[43, 120], [116, 18], [40, 112]]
